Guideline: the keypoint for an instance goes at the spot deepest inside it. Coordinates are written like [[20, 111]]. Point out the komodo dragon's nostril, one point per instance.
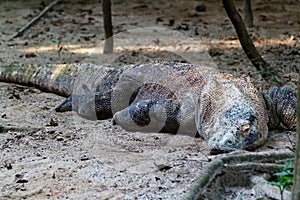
[[229, 142]]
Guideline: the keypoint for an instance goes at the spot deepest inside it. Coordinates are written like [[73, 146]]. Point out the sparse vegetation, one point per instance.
[[283, 179]]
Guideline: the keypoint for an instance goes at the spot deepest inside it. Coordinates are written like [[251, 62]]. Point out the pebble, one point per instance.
[[201, 7], [59, 138]]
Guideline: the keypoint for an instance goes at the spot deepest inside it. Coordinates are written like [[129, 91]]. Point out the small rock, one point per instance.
[[51, 132], [14, 95], [45, 108], [263, 17], [171, 22], [52, 123], [162, 167], [8, 165], [183, 26], [84, 157], [159, 19], [59, 138], [201, 7], [69, 135], [22, 181], [30, 55], [19, 178]]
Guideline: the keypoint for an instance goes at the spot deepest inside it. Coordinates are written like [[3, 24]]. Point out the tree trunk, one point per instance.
[[296, 187], [108, 43], [245, 40], [248, 16]]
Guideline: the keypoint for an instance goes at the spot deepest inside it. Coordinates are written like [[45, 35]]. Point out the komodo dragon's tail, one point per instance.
[[58, 79], [68, 80]]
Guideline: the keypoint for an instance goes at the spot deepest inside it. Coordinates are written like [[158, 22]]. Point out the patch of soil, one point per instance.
[[49, 155]]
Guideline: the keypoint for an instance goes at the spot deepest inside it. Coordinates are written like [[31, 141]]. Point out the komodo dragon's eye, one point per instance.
[[245, 130]]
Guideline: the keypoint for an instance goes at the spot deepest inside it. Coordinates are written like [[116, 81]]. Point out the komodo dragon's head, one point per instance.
[[238, 125]]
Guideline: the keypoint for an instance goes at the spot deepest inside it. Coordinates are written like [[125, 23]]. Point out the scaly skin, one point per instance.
[[281, 106], [166, 97]]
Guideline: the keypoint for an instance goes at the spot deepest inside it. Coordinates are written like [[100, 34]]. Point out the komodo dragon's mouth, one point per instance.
[[231, 142]]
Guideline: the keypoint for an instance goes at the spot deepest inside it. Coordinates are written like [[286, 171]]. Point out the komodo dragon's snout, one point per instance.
[[236, 128]]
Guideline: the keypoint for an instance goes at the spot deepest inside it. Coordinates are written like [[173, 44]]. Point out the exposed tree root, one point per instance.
[[263, 162]]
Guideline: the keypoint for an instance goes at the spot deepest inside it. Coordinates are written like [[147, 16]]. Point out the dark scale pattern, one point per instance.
[[152, 91], [281, 106], [173, 114], [140, 113], [93, 105], [103, 95]]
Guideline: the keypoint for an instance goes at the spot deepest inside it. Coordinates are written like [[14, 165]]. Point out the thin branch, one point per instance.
[[248, 16], [296, 187], [108, 43], [259, 63], [34, 20]]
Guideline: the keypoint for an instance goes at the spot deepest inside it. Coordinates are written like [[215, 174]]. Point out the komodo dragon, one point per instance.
[[167, 97]]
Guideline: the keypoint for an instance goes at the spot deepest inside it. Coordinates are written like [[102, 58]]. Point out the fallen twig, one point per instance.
[[19, 129], [34, 20]]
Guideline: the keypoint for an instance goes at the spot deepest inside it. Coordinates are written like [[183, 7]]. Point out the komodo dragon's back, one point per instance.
[[167, 97]]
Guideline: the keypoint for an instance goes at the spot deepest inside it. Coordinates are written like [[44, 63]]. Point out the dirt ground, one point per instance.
[[49, 155]]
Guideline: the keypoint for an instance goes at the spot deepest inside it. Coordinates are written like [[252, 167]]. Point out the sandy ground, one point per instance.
[[49, 155]]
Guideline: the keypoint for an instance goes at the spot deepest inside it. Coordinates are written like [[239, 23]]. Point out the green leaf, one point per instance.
[[274, 183]]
